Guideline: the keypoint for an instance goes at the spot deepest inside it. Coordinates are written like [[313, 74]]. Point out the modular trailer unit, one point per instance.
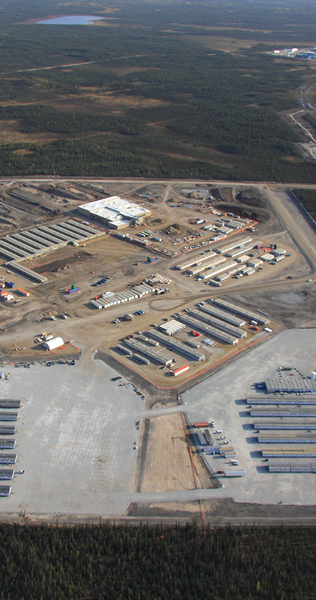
[[5, 490], [18, 254], [210, 309], [176, 345], [35, 239], [235, 331], [85, 228], [26, 273], [19, 237], [96, 304], [201, 438], [241, 311], [212, 331], [141, 359], [68, 227], [8, 255], [177, 372], [254, 263], [59, 232], [123, 350], [18, 245]]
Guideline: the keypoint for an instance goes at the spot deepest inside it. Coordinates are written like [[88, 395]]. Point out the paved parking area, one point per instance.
[[75, 437], [219, 399]]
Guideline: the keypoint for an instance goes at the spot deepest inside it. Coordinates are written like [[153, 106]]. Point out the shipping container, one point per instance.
[[198, 424], [9, 284], [73, 291]]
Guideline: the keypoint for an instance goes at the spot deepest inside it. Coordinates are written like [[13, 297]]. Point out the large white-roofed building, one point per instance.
[[115, 212]]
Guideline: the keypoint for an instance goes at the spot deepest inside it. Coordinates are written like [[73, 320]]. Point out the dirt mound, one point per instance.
[[226, 193], [251, 197]]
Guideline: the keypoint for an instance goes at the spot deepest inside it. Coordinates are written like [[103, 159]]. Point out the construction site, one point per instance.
[[159, 287]]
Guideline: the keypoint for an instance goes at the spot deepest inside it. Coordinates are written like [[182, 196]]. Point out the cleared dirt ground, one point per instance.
[[163, 462]]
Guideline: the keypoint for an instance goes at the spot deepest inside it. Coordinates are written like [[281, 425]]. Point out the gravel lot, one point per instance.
[[219, 398], [75, 436]]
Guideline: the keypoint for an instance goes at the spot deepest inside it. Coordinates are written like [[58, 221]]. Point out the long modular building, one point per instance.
[[287, 438], [294, 452], [196, 261], [176, 345], [282, 400], [212, 262], [249, 314], [7, 429], [7, 403], [214, 322], [148, 352], [8, 416], [6, 459], [196, 324], [6, 474], [292, 468], [7, 443], [25, 272], [233, 245], [219, 269], [285, 423], [222, 314], [239, 251], [292, 411], [291, 385]]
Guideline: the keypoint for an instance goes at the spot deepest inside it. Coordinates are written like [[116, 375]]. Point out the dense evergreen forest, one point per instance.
[[156, 96], [157, 563], [308, 199]]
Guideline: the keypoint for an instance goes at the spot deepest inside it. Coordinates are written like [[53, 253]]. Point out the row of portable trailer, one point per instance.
[[290, 429], [40, 240], [7, 442], [112, 299]]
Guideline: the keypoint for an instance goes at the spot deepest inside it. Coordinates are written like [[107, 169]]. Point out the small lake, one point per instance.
[[71, 20]]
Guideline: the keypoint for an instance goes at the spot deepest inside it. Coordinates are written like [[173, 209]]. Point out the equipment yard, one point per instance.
[[165, 308]]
